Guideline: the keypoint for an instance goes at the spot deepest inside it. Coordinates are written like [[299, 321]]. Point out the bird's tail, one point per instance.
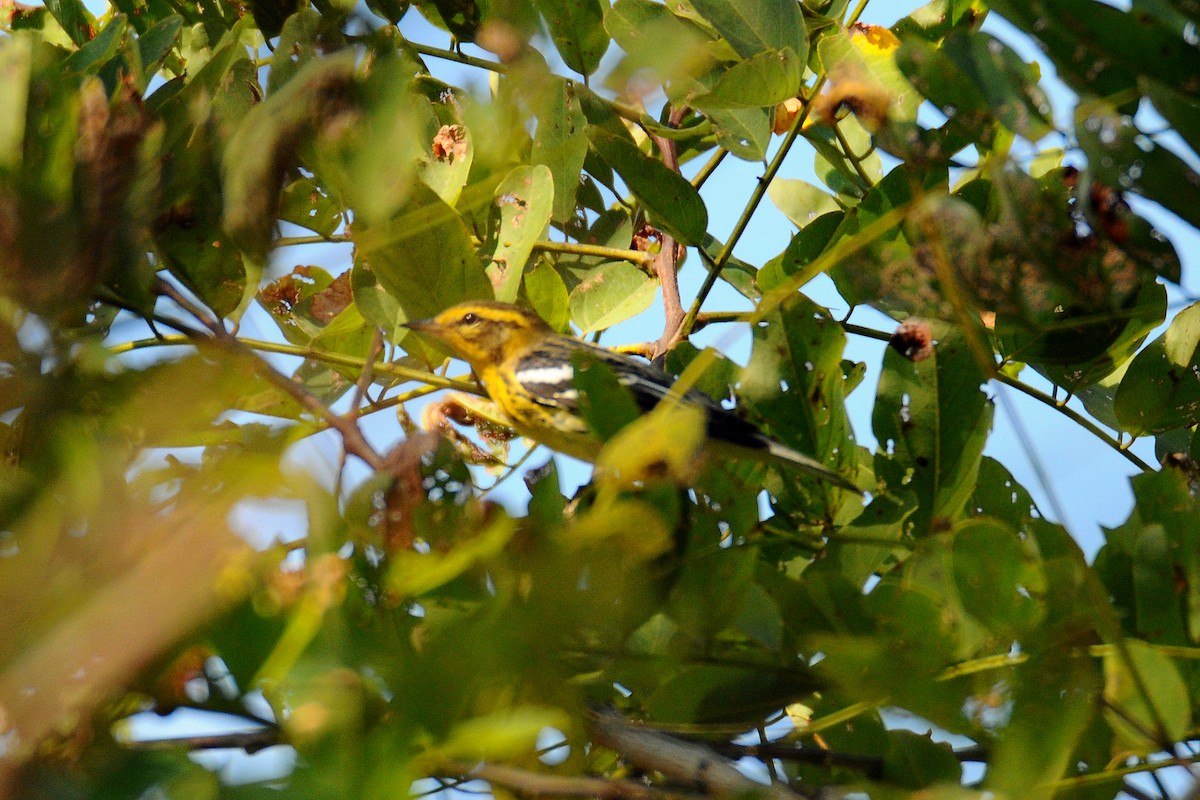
[[809, 465]]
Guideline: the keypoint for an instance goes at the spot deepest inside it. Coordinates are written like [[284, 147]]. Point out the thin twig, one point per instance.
[[296, 241], [250, 741], [352, 438], [683, 763], [582, 249], [384, 368], [666, 263], [709, 167], [1073, 415], [537, 784], [739, 228], [360, 390], [461, 58]]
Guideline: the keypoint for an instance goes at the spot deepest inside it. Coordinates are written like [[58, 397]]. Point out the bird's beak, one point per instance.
[[421, 325]]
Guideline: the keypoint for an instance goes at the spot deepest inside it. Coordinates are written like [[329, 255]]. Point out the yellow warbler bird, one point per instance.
[[528, 371]]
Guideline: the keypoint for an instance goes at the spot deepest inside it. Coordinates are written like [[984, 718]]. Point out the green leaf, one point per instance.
[[1164, 708], [1120, 155], [93, 55], [1098, 49], [348, 161], [754, 26], [560, 144], [75, 19], [577, 28], [744, 132], [299, 43], [712, 693], [931, 420], [1161, 390], [16, 66], [805, 245], [793, 386], [547, 294], [761, 80], [304, 203], [1180, 110], [401, 251], [915, 761], [737, 273], [157, 43], [606, 405], [800, 202], [988, 573], [865, 548], [671, 200], [525, 198], [1053, 697], [373, 301], [500, 736], [609, 294], [656, 39], [264, 144], [973, 74]]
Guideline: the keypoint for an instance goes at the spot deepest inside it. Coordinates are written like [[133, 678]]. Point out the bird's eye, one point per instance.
[[469, 318]]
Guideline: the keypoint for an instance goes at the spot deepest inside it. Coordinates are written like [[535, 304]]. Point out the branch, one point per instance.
[[1073, 415], [666, 263], [684, 763], [461, 58], [739, 228], [1036, 394], [384, 368], [581, 249], [537, 784], [870, 766], [352, 437], [250, 741]]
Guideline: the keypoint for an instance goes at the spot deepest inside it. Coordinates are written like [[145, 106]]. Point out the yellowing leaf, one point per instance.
[[662, 444], [413, 574], [500, 735], [640, 530]]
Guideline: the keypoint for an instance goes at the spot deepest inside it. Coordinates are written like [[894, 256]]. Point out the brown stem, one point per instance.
[[352, 438], [250, 741], [666, 264], [537, 784], [685, 763]]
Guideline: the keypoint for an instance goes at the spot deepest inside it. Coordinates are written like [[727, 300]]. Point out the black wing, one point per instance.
[[548, 375]]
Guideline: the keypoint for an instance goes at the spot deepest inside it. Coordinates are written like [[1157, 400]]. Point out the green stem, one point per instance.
[[1073, 415], [739, 228], [293, 241], [382, 368], [1036, 394], [851, 156], [709, 168], [461, 58], [858, 12], [580, 249]]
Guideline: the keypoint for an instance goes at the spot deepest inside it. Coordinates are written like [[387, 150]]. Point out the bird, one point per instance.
[[528, 371]]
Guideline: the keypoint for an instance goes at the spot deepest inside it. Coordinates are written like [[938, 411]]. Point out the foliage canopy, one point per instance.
[[161, 164]]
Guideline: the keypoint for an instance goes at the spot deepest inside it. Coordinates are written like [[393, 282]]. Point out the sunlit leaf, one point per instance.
[[610, 293], [671, 200], [525, 199], [752, 26], [577, 28]]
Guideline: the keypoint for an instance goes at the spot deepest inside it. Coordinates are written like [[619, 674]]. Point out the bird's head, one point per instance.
[[483, 333]]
